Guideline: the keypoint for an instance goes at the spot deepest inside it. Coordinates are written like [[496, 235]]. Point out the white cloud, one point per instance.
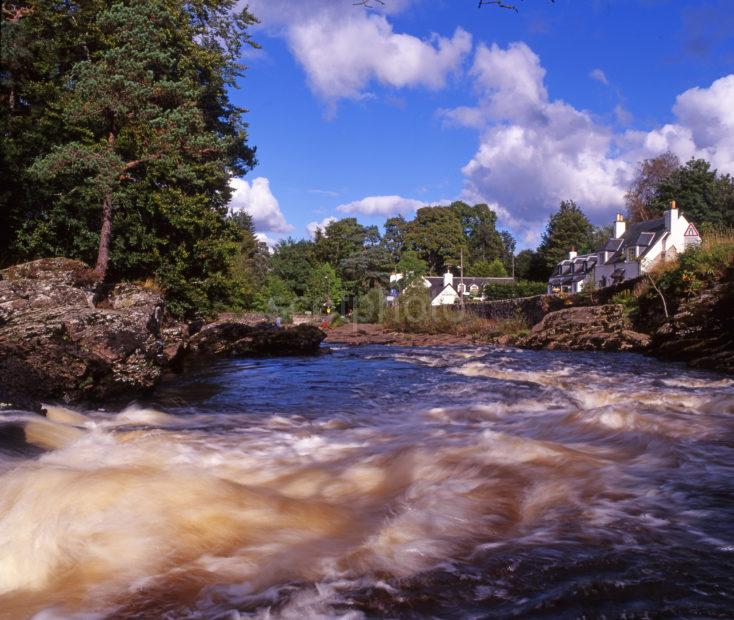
[[705, 126], [312, 227], [257, 200], [267, 240], [382, 205], [343, 48], [599, 76], [535, 151]]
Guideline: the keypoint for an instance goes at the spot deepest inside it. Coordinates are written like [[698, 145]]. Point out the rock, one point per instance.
[[64, 336], [55, 344], [232, 337], [592, 328], [701, 332]]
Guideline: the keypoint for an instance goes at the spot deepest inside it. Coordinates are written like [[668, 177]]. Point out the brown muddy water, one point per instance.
[[377, 482]]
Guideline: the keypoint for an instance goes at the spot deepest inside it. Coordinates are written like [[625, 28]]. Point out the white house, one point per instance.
[[631, 252], [448, 289]]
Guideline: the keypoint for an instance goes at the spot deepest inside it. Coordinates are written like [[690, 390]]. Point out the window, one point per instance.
[[474, 289]]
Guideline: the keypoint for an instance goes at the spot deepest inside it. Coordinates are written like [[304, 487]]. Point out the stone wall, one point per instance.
[[533, 309]]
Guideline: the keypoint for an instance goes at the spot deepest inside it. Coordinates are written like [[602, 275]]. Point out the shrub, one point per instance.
[[370, 308], [519, 288]]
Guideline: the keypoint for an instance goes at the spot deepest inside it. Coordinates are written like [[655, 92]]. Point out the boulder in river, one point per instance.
[[232, 337], [592, 328]]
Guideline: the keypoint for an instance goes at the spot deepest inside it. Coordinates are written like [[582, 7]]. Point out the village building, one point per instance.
[[632, 251], [448, 289]]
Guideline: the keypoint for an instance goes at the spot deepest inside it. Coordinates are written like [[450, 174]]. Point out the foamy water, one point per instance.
[[380, 482]]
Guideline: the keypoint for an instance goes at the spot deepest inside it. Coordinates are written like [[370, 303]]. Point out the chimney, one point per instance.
[[448, 277], [619, 226], [671, 216], [572, 254]]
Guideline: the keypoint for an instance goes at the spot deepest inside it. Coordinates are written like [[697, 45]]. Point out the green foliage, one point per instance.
[[293, 261], [413, 308], [519, 288], [364, 269], [437, 235], [323, 288], [342, 238], [529, 265], [697, 267], [701, 193], [412, 267], [627, 299], [127, 102], [370, 308], [394, 238], [567, 228], [488, 269], [276, 298]]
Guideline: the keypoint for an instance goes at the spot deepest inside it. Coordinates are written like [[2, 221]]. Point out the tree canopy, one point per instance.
[[567, 228], [120, 140]]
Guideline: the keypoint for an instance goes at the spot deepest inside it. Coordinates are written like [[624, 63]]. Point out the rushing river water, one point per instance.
[[380, 482]]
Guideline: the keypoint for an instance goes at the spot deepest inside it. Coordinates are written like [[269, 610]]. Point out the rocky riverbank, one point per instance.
[[370, 333], [65, 337]]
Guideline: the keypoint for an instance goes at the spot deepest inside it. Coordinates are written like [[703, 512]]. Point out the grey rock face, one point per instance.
[[591, 328], [61, 340]]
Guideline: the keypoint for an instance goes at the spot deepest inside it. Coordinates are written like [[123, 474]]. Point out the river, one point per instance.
[[452, 482]]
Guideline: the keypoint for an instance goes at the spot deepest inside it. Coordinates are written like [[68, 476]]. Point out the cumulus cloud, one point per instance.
[[382, 205], [599, 76], [535, 151], [257, 200], [343, 49], [704, 127], [312, 227]]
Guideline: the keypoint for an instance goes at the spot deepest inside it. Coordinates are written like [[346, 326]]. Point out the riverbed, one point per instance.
[[375, 481]]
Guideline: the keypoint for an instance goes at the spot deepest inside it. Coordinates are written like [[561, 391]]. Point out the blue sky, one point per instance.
[[374, 112]]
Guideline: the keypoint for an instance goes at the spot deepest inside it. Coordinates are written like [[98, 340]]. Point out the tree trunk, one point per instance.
[[103, 255]]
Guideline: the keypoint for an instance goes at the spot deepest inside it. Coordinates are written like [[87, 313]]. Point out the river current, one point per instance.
[[451, 482]]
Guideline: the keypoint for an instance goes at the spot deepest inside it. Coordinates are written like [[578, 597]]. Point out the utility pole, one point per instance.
[[461, 278]]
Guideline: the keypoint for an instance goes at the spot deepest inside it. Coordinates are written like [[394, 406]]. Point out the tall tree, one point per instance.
[[479, 224], [529, 265], [123, 109], [567, 228], [648, 176], [293, 261], [394, 237], [700, 192], [342, 238], [136, 107], [365, 269], [323, 288], [437, 235]]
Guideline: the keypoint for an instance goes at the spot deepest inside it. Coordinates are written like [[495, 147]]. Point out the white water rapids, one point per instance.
[[275, 495]]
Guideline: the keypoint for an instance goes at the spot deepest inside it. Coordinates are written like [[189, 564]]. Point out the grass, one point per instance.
[[416, 315]]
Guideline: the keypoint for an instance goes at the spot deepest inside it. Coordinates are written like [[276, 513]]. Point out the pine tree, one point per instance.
[[568, 228]]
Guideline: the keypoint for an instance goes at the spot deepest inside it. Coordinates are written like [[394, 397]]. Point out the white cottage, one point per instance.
[[631, 252], [447, 289]]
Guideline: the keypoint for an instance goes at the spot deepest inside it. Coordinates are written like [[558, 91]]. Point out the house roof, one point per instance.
[[643, 234]]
